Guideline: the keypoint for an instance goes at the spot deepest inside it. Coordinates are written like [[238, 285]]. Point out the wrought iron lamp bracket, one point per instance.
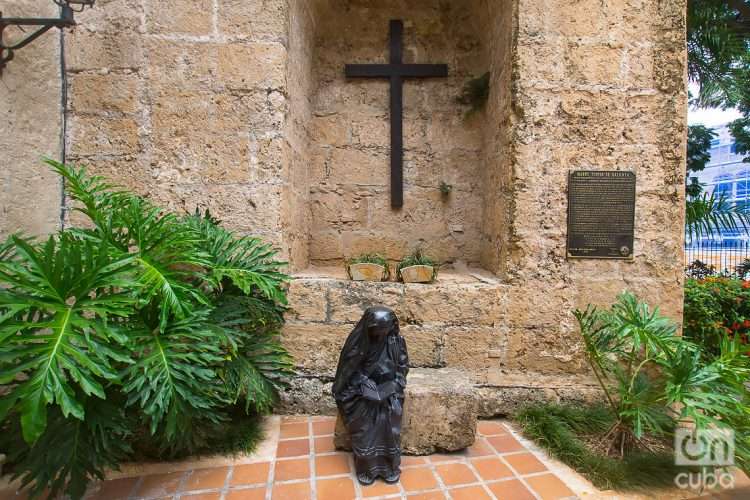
[[45, 24]]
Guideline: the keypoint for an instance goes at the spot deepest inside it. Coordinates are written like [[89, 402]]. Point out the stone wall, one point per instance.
[[31, 127], [498, 29], [186, 101], [350, 175], [598, 91], [299, 75], [575, 85], [241, 107]]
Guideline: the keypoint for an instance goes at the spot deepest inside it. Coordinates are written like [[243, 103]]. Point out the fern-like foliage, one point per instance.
[[259, 365], [53, 326], [173, 380], [708, 215], [247, 263], [169, 318], [71, 452], [653, 378]]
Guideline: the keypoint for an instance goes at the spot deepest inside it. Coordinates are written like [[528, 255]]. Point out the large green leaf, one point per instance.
[[174, 380], [247, 262], [170, 262], [54, 324]]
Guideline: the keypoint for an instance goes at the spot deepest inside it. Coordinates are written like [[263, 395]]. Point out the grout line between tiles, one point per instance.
[[313, 475]]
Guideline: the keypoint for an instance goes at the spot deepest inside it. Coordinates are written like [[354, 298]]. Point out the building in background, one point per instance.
[[727, 174]]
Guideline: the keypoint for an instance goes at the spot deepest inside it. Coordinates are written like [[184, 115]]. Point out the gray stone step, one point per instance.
[[440, 413]]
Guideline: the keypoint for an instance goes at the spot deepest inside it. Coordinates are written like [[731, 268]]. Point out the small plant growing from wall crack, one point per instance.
[[475, 93], [445, 188]]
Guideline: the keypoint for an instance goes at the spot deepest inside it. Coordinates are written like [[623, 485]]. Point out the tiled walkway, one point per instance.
[[306, 466]]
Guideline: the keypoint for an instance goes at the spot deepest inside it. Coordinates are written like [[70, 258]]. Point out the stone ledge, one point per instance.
[[312, 394], [440, 413]]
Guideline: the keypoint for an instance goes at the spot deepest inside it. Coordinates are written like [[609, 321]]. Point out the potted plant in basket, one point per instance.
[[417, 268], [368, 267]]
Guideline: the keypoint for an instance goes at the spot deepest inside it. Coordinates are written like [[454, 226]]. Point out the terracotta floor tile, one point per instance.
[[418, 478], [159, 485], [447, 457], [469, 493], [293, 448], [525, 463], [505, 443], [341, 488], [250, 474], [289, 491], [246, 494], [379, 488], [490, 428], [491, 468], [201, 496], [549, 487], [116, 489], [407, 461], [294, 430], [287, 470], [205, 479], [329, 465], [453, 474], [512, 489], [323, 427], [324, 444], [480, 448], [430, 495]]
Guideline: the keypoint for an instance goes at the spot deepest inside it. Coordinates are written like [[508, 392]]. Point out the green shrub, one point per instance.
[[716, 308], [654, 378], [144, 321]]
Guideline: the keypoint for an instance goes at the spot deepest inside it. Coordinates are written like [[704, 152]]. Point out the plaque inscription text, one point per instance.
[[601, 214]]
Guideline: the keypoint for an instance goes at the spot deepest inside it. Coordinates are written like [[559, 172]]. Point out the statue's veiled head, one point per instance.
[[381, 322]]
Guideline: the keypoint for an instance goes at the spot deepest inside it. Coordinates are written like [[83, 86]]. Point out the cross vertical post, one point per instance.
[[396, 71]]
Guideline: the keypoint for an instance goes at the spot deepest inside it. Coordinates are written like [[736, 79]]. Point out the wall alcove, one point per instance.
[[340, 142]]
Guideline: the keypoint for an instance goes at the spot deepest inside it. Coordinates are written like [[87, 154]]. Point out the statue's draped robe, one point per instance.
[[369, 392]]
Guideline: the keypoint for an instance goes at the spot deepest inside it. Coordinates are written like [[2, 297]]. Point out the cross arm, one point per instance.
[[403, 70]]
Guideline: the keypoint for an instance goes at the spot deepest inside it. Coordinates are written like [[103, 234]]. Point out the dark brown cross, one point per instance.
[[396, 71]]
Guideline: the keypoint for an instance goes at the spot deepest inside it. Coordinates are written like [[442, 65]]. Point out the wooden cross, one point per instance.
[[396, 71]]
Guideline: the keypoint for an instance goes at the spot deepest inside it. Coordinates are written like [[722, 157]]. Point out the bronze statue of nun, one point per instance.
[[369, 392]]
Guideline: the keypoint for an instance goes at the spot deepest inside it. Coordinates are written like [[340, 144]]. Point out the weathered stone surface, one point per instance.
[[30, 129], [315, 347], [506, 394], [307, 395], [242, 107], [189, 17], [440, 413]]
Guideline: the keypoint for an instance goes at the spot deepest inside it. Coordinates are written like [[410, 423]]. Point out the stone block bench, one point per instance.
[[440, 413]]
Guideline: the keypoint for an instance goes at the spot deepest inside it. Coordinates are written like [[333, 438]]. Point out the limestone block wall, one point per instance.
[[30, 127], [299, 75], [241, 107], [185, 101], [604, 90], [350, 141], [498, 30]]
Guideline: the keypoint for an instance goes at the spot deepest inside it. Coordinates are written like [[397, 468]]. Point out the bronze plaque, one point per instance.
[[601, 214]]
